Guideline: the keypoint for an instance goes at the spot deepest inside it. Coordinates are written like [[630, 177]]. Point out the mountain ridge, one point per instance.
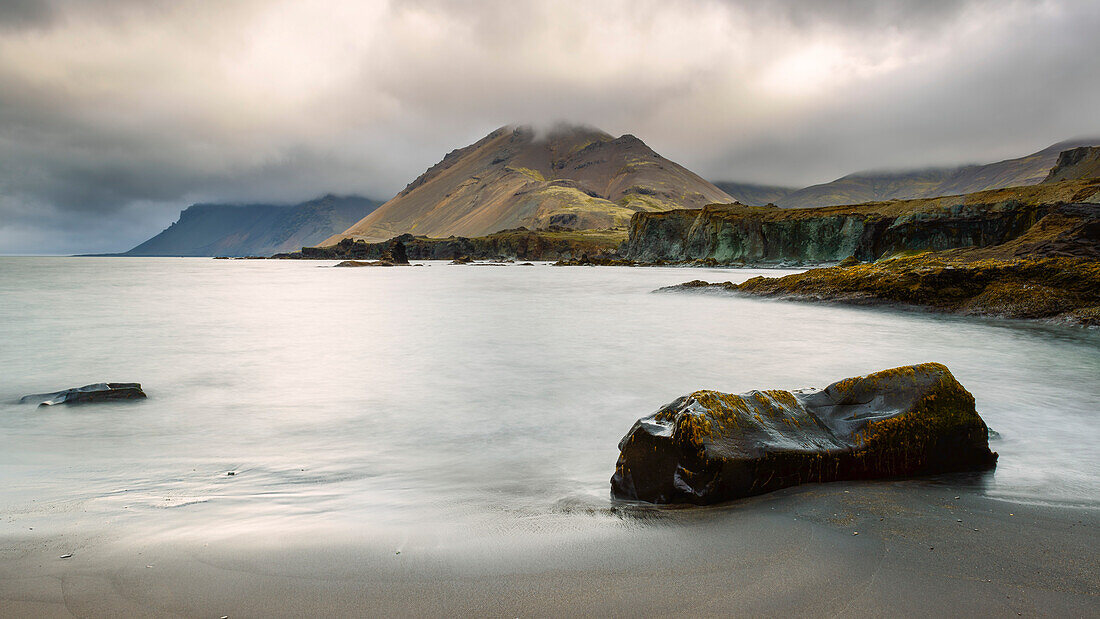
[[931, 182], [755, 194], [572, 176], [212, 229]]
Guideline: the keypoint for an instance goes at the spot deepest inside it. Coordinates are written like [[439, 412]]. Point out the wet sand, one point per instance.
[[794, 552]]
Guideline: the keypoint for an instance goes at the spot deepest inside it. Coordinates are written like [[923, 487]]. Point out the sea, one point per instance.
[[288, 397]]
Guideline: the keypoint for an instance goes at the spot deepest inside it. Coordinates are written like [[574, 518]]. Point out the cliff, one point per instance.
[[1052, 272], [254, 229], [739, 234], [1083, 162]]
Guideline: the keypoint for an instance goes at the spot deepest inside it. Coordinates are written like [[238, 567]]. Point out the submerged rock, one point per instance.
[[709, 447], [99, 392]]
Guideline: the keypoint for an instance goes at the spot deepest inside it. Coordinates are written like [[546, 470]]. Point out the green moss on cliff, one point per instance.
[[737, 233]]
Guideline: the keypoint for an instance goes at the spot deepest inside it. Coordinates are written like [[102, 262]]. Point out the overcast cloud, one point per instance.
[[115, 115]]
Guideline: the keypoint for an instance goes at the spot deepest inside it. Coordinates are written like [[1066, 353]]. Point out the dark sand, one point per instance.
[[793, 552]]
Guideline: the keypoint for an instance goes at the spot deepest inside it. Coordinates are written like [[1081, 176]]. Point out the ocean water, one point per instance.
[[449, 398]]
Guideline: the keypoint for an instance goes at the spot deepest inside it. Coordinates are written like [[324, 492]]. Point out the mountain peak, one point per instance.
[[568, 175]]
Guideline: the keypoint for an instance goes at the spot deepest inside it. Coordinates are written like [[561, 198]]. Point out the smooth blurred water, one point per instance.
[[482, 395]]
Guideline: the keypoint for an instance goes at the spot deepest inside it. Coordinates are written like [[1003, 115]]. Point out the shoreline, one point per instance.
[[875, 304], [852, 548]]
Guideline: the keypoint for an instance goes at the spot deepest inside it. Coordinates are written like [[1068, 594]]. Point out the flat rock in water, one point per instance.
[[360, 263], [708, 447], [99, 392]]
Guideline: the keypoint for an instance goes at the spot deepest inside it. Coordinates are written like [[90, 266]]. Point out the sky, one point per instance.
[[117, 114]]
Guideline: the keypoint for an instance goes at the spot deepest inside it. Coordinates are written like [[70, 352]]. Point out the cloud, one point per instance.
[[116, 114], [22, 14]]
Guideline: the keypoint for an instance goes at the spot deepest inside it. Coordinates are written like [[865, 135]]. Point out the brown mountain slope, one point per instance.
[[574, 177], [1076, 163], [933, 182]]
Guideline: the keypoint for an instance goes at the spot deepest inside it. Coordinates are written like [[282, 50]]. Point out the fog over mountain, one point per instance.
[[115, 115]]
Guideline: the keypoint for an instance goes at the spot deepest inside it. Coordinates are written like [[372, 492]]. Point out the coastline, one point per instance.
[[795, 551], [877, 304]]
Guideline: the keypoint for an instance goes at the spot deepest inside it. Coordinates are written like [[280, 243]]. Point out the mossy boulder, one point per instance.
[[708, 447]]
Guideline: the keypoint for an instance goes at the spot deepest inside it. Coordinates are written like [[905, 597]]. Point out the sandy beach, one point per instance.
[[910, 548]]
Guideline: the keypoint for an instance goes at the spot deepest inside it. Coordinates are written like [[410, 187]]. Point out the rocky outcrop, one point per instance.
[[708, 447], [760, 235], [1051, 272], [98, 392], [517, 244], [397, 253], [1082, 162]]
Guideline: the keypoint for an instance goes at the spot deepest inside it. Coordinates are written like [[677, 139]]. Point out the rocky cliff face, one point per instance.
[[1051, 272], [740, 234], [1077, 163]]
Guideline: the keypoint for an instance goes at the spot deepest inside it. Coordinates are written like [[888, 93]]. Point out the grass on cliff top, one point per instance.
[[638, 202], [528, 172], [1066, 191], [608, 236], [611, 237]]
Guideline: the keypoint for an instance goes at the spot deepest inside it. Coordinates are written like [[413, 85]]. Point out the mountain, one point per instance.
[[932, 182], [254, 229], [573, 177], [752, 194], [1076, 163]]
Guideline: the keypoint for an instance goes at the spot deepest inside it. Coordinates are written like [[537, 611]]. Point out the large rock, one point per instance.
[[99, 392], [709, 447]]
